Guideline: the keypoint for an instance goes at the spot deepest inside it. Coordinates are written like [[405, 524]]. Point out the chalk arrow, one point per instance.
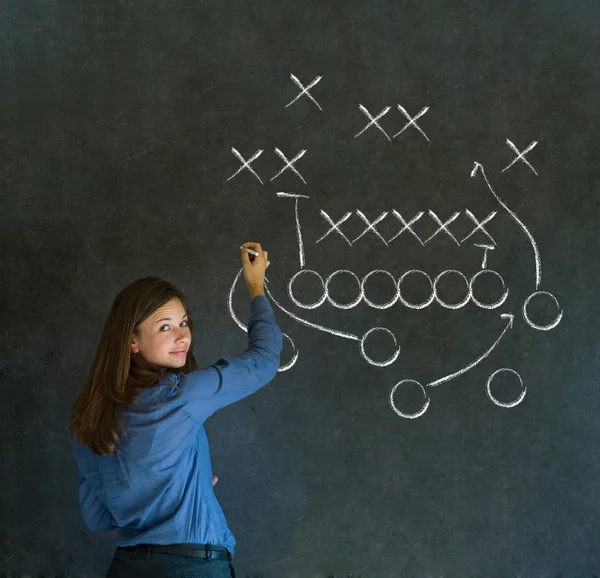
[[536, 253], [509, 325]]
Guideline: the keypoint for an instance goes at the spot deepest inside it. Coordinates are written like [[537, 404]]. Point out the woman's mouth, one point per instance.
[[181, 352]]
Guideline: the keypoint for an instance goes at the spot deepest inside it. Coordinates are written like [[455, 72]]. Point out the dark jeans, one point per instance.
[[132, 564]]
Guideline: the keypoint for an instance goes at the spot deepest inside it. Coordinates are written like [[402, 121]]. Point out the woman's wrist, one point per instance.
[[256, 291]]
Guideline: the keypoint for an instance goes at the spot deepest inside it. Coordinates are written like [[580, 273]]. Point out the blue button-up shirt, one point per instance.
[[159, 490]]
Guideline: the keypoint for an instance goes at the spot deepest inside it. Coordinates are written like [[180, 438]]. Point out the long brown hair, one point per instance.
[[117, 375]]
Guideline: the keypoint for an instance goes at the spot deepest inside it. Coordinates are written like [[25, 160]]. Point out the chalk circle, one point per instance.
[[291, 363], [342, 305], [425, 303], [452, 305], [517, 401], [307, 305], [551, 325], [418, 413], [375, 305], [487, 305], [372, 361]]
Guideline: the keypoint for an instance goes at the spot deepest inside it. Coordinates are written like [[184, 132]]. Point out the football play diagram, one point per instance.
[[409, 228]]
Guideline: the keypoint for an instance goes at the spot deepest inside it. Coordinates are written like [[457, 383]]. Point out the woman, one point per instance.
[[155, 484]]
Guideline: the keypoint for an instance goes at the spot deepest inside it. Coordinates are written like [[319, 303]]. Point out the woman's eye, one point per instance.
[[183, 323]]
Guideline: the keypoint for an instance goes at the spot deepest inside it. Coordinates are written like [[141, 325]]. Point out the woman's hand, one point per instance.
[[254, 268], [215, 480]]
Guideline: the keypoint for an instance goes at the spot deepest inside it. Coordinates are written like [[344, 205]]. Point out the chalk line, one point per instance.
[[244, 327], [298, 229], [536, 252], [509, 325]]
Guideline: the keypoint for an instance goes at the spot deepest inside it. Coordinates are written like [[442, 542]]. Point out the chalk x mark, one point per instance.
[[371, 226], [406, 226], [335, 226], [246, 163], [305, 90], [443, 226], [521, 155], [479, 226], [373, 120], [412, 121], [290, 164]]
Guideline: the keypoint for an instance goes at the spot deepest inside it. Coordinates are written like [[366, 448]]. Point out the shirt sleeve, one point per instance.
[[232, 378], [95, 514]]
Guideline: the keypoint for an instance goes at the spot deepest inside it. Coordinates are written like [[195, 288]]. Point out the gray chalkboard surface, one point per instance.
[[425, 178]]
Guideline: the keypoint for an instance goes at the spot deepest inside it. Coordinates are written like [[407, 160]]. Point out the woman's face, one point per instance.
[[164, 337]]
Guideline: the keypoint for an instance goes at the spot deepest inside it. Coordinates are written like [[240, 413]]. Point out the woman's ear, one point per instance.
[[135, 348]]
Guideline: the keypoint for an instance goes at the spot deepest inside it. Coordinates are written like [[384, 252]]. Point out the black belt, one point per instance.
[[206, 551]]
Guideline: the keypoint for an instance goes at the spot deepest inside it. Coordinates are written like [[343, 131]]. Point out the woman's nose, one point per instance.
[[182, 334]]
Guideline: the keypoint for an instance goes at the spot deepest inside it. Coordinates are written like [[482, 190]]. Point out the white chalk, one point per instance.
[[249, 251]]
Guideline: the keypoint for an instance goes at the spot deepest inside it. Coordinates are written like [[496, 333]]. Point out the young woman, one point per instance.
[[138, 433]]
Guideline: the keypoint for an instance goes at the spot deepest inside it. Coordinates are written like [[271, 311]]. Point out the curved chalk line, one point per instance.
[[230, 303], [536, 252], [509, 325], [341, 333], [308, 323], [335, 332], [244, 328]]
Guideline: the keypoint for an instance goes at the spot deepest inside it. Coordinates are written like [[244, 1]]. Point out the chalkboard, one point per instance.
[[425, 177]]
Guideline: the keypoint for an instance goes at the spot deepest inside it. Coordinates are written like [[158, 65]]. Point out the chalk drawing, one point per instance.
[[416, 414], [397, 281], [246, 163], [304, 91], [412, 121], [520, 155], [244, 328], [550, 325], [485, 248], [289, 164], [460, 304], [521, 395], [406, 226], [488, 305], [397, 287], [471, 365], [425, 303], [283, 195], [443, 226], [373, 121], [478, 168], [479, 226], [371, 226]]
